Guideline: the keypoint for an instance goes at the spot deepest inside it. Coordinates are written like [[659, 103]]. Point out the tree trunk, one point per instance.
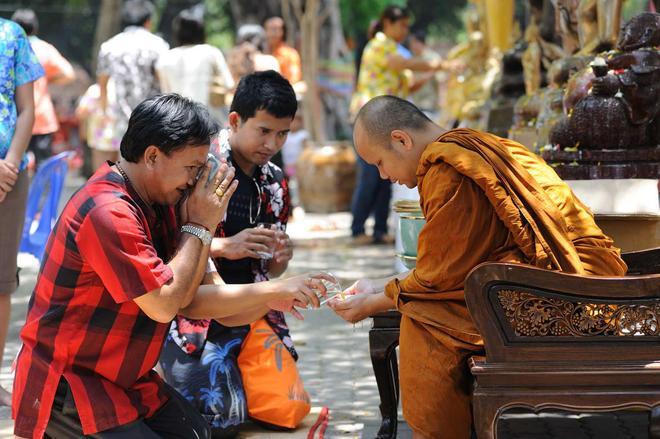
[[319, 20], [309, 27], [108, 24], [337, 47], [291, 24]]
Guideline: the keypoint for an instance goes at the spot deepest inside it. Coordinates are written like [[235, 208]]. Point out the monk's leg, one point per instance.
[[435, 384]]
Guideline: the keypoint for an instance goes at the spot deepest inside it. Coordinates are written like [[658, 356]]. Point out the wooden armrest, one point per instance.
[[529, 314], [598, 287]]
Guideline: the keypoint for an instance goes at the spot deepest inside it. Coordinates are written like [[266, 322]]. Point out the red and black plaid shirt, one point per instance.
[[107, 249]]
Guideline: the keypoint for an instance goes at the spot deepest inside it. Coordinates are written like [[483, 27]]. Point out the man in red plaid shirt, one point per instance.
[[117, 269], [115, 272]]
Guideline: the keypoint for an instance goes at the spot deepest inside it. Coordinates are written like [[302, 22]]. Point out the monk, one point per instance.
[[485, 199]]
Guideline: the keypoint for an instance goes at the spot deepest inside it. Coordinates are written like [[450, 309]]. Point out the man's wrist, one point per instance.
[[272, 290], [220, 246], [196, 224], [376, 286], [199, 232]]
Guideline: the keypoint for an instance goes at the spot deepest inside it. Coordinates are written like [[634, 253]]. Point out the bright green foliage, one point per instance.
[[220, 27], [441, 18]]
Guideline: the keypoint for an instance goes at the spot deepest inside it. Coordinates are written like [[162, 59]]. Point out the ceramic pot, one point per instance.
[[326, 173], [410, 226], [409, 261]]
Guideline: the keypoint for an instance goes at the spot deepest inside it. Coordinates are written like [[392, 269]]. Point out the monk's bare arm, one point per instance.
[[381, 303], [378, 285]]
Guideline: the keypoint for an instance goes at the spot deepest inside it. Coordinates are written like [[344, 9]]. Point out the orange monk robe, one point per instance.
[[485, 199]]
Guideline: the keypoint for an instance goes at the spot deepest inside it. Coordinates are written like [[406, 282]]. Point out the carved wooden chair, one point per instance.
[[567, 350], [565, 341]]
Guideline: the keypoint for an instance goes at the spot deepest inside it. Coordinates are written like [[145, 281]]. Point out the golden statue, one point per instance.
[[587, 26], [541, 50], [468, 91], [598, 24]]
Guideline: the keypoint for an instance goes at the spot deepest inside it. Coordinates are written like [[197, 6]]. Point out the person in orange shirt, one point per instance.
[[287, 56], [485, 199], [58, 71]]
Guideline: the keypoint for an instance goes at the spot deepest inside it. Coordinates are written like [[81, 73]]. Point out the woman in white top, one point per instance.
[[194, 69]]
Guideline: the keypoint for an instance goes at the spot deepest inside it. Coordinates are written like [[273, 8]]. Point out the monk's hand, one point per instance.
[[362, 286], [354, 308]]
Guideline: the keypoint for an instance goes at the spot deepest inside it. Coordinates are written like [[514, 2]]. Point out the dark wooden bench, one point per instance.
[[555, 344]]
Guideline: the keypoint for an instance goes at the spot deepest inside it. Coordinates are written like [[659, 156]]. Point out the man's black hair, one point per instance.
[[170, 122], [188, 27], [27, 19], [267, 91], [384, 114], [136, 12]]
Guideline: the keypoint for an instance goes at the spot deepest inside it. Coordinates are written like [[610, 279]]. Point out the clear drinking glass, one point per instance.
[[333, 289], [271, 249]]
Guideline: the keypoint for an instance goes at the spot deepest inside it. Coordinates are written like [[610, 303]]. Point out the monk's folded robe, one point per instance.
[[485, 199]]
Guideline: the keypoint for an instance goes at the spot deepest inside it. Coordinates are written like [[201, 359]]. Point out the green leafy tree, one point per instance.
[[441, 18]]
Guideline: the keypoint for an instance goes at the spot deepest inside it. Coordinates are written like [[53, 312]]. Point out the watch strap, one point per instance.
[[201, 233]]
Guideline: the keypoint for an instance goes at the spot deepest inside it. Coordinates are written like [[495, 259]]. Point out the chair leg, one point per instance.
[[654, 424], [484, 414], [383, 359]]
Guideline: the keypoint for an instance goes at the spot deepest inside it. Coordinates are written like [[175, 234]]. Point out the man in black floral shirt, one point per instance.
[[261, 114]]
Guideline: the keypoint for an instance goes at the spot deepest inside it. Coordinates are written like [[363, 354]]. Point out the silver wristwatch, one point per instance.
[[203, 234]]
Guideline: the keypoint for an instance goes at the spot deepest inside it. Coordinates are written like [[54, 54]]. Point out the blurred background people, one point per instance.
[[58, 71], [21, 69], [383, 71], [287, 57], [129, 58], [193, 68], [95, 129], [293, 146], [427, 97], [247, 55]]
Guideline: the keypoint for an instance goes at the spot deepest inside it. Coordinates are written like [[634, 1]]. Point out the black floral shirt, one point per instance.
[[262, 197]]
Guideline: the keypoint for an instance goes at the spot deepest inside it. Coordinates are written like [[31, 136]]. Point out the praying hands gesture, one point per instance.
[[204, 205]]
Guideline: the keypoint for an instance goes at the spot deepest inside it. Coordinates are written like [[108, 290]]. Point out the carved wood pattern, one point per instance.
[[535, 315]]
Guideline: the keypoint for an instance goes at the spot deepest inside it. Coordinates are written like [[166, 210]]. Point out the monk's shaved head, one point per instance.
[[384, 114]]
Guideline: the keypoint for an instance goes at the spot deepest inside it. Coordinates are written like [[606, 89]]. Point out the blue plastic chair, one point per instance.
[[47, 184]]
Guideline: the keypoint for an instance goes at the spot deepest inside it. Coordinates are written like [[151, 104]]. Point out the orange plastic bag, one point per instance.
[[274, 391]]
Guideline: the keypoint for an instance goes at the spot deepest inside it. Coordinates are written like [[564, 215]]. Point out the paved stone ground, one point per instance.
[[334, 356]]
